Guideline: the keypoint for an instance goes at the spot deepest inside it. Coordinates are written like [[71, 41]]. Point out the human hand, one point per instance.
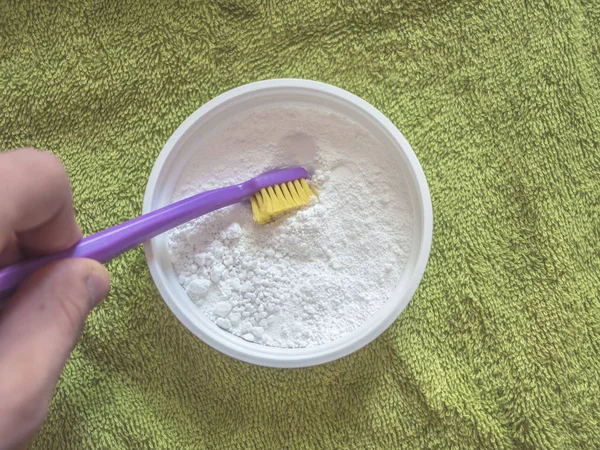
[[40, 324]]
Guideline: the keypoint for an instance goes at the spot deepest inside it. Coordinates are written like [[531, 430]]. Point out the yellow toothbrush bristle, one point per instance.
[[269, 203]]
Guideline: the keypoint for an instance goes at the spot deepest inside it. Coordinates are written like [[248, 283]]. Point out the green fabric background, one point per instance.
[[499, 348]]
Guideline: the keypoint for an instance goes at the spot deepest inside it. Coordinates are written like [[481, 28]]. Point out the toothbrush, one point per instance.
[[271, 194]]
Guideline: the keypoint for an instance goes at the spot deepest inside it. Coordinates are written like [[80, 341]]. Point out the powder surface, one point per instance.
[[314, 274]]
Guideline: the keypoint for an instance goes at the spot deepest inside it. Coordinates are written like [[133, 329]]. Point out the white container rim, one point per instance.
[[231, 345]]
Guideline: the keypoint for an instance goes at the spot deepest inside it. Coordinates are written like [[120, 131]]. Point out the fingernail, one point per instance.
[[98, 285]]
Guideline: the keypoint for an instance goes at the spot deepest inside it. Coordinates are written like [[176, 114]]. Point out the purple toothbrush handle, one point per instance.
[[107, 244]]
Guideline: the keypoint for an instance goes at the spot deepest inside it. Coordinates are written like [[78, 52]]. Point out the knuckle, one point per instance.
[[45, 167], [71, 311], [51, 170], [71, 315]]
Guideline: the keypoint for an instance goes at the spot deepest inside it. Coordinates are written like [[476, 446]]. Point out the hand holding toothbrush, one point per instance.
[[41, 323]]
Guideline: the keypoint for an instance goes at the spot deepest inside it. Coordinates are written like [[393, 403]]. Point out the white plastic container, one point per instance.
[[182, 145]]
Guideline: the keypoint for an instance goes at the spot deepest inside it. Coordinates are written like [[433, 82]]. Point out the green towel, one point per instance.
[[500, 99]]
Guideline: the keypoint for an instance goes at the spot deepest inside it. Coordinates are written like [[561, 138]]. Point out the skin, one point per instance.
[[41, 323]]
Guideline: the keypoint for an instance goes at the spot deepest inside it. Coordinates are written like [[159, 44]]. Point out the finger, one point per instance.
[[36, 202], [38, 330]]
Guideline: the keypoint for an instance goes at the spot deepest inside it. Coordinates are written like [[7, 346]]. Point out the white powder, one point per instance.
[[317, 273]]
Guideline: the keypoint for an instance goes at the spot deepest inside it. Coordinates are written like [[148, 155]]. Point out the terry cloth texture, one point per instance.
[[500, 99]]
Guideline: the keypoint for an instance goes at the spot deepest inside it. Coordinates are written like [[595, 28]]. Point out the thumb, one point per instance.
[[38, 330]]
